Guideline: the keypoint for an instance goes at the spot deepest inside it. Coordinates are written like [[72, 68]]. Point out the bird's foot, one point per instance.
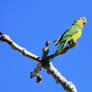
[[72, 44], [75, 43]]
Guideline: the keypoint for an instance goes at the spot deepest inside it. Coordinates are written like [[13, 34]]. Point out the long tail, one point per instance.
[[56, 42], [58, 50]]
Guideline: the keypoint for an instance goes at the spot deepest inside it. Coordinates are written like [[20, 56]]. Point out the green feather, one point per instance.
[[74, 29]]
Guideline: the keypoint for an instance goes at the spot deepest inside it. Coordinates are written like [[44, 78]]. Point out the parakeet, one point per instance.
[[71, 34]]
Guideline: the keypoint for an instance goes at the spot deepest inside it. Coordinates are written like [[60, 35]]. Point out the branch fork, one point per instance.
[[43, 62]]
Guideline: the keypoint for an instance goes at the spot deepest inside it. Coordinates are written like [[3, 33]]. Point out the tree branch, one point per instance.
[[35, 72], [6, 38], [69, 86], [63, 51], [44, 62]]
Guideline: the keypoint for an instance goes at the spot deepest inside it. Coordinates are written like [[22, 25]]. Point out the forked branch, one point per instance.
[[44, 62]]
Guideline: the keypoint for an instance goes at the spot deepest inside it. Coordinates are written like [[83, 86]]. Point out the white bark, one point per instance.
[[15, 46], [44, 63], [60, 79]]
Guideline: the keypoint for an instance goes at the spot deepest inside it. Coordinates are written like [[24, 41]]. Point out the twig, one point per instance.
[[35, 72]]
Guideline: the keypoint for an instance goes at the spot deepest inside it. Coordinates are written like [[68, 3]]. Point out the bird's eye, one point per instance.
[[82, 19]]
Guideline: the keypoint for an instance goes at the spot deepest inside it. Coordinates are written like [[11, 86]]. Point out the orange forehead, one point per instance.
[[83, 18]]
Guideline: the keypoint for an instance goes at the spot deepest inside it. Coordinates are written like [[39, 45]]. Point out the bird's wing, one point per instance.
[[70, 32]]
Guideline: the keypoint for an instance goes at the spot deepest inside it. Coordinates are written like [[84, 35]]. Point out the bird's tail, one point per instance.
[[56, 42], [59, 49]]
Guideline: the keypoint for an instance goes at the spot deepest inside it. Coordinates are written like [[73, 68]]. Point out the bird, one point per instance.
[[70, 35]]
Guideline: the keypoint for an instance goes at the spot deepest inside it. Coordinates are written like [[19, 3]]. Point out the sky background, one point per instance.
[[30, 23]]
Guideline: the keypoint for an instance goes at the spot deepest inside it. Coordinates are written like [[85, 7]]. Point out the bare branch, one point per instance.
[[44, 62], [54, 72], [45, 51], [35, 72], [6, 38], [59, 78]]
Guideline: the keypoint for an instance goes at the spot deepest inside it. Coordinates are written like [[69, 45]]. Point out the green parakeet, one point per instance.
[[71, 34]]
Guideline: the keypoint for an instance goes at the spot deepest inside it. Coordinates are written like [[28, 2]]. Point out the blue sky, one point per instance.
[[30, 23]]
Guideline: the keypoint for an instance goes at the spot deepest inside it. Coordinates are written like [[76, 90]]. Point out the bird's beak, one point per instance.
[[85, 22]]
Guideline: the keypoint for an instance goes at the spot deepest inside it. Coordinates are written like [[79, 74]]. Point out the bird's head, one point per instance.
[[82, 20]]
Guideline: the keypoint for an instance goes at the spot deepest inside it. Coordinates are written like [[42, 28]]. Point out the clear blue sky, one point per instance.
[[30, 23]]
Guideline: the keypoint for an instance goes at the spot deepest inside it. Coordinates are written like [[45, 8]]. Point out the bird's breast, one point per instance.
[[76, 36]]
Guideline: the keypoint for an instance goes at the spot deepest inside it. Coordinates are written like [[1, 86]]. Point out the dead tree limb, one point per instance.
[[7, 39], [43, 62]]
